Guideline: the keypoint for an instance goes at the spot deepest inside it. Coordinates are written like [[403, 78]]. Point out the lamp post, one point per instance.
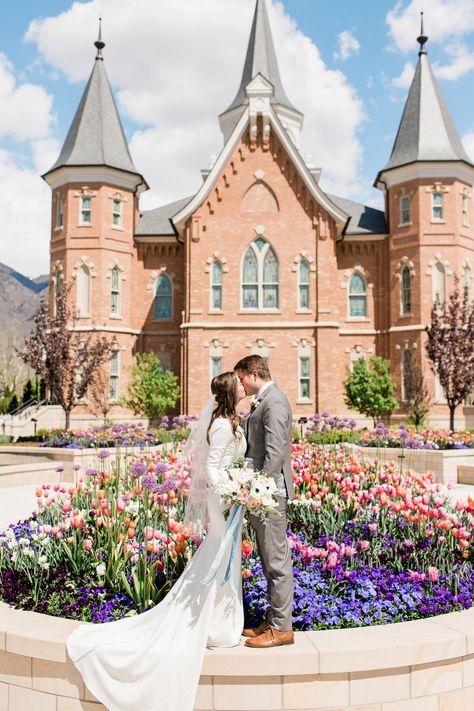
[[302, 421], [34, 425]]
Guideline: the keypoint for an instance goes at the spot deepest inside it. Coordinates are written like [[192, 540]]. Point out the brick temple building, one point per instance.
[[261, 259]]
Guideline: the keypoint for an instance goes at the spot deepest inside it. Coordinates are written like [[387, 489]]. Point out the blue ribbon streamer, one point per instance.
[[230, 535]]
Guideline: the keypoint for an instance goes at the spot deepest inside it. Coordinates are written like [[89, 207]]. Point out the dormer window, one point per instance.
[[86, 212], [437, 206], [404, 210]]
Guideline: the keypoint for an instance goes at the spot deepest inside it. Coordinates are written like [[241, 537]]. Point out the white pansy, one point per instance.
[[100, 569]]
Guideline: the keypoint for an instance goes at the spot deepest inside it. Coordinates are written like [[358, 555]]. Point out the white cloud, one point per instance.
[[444, 19], [462, 62], [26, 108], [25, 204], [404, 80], [187, 71], [347, 45]]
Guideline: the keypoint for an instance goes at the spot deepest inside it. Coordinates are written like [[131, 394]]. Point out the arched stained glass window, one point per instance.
[[357, 297], [216, 285], [250, 280], [303, 284], [270, 280], [164, 298], [260, 276], [406, 290]]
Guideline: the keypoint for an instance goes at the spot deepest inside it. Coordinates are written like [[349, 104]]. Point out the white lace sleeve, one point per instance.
[[220, 437]]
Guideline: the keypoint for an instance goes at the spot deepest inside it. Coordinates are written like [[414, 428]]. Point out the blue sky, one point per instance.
[[175, 64]]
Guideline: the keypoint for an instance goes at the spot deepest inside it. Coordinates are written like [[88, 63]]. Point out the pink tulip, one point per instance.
[[433, 574], [120, 504], [66, 506], [88, 544]]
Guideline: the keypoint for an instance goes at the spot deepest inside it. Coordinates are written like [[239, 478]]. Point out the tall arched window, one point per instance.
[[260, 277], [438, 283], [83, 291], [216, 285], [405, 284], [58, 282], [115, 292], [164, 298], [357, 297], [303, 284]]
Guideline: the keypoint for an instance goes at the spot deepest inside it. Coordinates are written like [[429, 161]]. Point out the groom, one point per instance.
[[269, 429]]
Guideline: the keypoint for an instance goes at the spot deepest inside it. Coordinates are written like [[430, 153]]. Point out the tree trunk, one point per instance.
[[68, 418], [452, 408]]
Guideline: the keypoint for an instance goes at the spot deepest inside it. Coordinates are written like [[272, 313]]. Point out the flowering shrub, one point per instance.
[[107, 435], [371, 544]]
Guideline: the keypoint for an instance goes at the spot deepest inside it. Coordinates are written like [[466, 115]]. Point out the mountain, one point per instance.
[[19, 300]]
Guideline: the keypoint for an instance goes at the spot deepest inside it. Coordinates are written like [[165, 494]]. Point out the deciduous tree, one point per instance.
[[65, 358], [450, 347], [152, 389], [369, 388]]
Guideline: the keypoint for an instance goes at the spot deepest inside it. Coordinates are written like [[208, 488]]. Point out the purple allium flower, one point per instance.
[[166, 486], [149, 482], [103, 454], [76, 467], [60, 469], [91, 472], [138, 469], [161, 468]]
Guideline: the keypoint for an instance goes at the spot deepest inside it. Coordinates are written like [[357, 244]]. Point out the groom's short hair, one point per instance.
[[254, 362]]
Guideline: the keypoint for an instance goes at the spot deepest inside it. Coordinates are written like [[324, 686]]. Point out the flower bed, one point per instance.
[[329, 429], [371, 545], [129, 435]]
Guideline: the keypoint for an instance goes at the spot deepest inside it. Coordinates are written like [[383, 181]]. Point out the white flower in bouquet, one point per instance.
[[245, 487], [241, 476]]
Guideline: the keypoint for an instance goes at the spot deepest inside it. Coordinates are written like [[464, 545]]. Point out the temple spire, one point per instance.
[[98, 43], [96, 136], [427, 131], [422, 39], [261, 59]]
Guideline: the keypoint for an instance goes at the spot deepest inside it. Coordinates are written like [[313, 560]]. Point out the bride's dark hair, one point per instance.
[[224, 387]]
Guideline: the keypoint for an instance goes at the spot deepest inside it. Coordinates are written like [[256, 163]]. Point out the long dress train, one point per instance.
[[152, 662]]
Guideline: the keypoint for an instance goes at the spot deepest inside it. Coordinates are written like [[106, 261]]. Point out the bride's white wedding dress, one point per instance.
[[152, 662]]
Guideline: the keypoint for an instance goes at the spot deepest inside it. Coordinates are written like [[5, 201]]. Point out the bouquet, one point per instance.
[[253, 490]]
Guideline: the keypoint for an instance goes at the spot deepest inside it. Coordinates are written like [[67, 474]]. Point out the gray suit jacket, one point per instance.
[[269, 430]]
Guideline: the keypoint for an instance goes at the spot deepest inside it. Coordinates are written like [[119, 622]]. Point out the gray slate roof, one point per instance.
[[158, 221], [427, 131], [96, 135], [261, 59], [363, 219]]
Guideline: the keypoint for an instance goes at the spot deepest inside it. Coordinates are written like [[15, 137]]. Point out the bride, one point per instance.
[[152, 662]]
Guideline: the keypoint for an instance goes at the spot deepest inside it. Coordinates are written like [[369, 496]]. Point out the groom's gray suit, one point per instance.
[[269, 429]]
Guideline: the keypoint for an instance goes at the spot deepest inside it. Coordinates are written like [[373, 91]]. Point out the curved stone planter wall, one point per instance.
[[427, 665], [443, 463]]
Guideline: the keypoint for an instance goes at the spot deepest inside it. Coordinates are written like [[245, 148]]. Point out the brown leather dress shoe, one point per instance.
[[271, 638], [255, 631]]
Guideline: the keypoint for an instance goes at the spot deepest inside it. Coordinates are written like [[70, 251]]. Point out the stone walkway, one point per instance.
[[18, 502]]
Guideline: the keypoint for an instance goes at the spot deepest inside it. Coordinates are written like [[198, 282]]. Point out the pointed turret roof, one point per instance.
[[96, 136], [427, 131], [261, 59]]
